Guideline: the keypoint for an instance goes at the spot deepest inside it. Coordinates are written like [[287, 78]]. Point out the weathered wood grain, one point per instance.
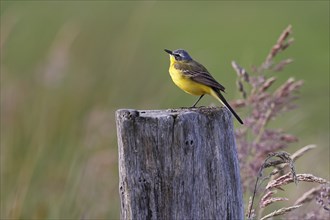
[[178, 164]]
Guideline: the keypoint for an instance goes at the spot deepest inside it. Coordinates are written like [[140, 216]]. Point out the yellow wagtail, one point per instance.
[[193, 78]]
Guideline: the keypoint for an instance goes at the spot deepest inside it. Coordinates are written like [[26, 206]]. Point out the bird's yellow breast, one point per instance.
[[187, 84]]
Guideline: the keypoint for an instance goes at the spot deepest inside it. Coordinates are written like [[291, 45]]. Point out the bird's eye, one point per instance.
[[177, 56]]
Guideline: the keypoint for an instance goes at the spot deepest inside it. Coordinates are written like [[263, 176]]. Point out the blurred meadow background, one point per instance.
[[66, 67]]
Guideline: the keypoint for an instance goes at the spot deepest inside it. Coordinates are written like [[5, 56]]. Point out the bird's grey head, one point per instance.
[[180, 55]]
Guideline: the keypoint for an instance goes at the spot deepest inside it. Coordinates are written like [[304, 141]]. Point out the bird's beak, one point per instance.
[[168, 51]]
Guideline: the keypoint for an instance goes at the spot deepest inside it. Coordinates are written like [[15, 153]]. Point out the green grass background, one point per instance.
[[66, 67]]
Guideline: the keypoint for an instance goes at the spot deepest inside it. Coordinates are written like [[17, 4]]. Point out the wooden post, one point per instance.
[[178, 164]]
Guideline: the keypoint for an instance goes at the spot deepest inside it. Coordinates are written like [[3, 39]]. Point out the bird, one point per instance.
[[193, 78]]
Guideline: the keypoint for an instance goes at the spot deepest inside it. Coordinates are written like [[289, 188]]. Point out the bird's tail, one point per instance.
[[217, 94]]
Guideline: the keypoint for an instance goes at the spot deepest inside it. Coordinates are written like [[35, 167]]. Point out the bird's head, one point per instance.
[[179, 55]]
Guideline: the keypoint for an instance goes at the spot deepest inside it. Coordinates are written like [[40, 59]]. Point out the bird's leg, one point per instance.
[[197, 101]]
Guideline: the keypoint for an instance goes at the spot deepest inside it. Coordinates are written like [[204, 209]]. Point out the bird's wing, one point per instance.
[[199, 74]]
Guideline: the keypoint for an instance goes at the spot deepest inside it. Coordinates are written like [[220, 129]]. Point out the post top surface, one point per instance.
[[170, 112], [163, 112]]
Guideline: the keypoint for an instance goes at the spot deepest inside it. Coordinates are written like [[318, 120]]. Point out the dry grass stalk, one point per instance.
[[281, 211], [296, 155], [308, 196], [250, 212], [311, 178], [288, 87], [280, 66], [282, 43], [241, 72], [272, 200], [302, 151], [267, 84], [287, 178], [323, 198], [256, 141], [268, 195], [284, 157], [320, 195], [240, 87], [267, 199]]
